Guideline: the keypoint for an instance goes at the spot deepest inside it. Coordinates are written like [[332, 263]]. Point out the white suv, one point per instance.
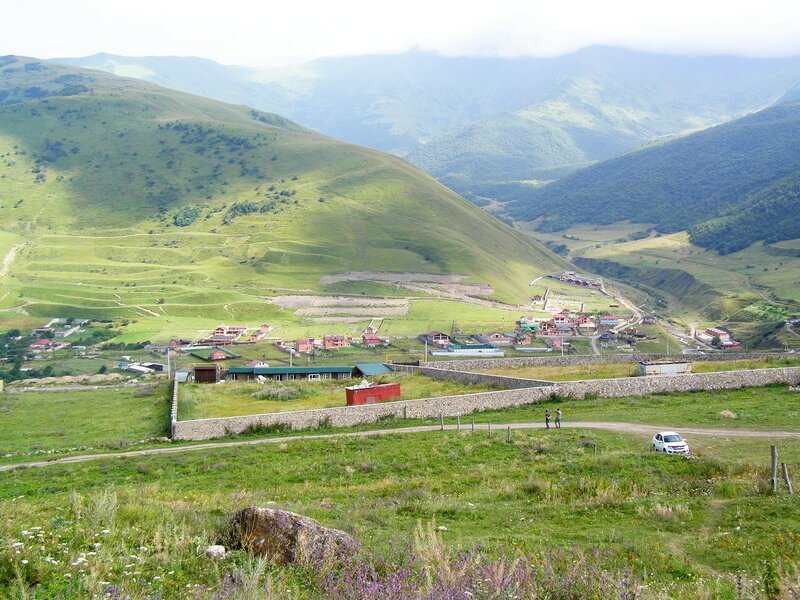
[[670, 442]]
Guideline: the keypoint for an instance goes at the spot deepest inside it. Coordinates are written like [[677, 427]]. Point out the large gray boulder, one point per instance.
[[288, 538]]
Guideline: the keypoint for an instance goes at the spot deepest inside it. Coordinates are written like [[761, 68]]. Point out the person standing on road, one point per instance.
[[558, 418], [547, 419]]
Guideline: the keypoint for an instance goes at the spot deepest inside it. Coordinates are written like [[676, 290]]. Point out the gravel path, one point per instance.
[[497, 427]]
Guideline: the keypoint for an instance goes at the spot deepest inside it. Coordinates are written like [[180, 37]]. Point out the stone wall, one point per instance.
[[662, 384], [348, 416], [590, 359]]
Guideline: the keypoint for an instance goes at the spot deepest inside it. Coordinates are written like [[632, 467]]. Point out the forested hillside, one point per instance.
[[730, 185]]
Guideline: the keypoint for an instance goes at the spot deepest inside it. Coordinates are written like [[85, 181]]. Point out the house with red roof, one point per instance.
[[370, 340], [304, 346], [334, 342], [42, 345]]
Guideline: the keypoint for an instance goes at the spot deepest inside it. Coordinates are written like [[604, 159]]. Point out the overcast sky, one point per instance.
[[270, 32]]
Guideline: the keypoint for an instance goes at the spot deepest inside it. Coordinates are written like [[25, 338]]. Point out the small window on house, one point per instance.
[[313, 377]]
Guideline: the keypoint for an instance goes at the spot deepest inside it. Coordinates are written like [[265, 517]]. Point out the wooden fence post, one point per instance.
[[441, 421], [473, 425], [508, 437], [490, 429], [786, 479], [774, 468], [458, 422]]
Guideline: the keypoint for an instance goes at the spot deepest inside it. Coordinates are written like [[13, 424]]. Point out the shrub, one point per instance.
[[261, 429], [185, 216], [279, 392]]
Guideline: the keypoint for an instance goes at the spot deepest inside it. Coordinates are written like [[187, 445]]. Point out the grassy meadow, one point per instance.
[[36, 423], [198, 401], [678, 528], [758, 408]]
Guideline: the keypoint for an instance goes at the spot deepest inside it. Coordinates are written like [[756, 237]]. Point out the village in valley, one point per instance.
[[574, 314]]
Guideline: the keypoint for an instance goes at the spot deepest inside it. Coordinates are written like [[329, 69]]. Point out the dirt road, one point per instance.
[[497, 427]]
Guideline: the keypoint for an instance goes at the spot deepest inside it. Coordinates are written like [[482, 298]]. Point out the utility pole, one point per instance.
[[426, 349], [169, 370]]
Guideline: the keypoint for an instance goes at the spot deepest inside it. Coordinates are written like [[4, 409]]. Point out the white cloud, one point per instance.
[[258, 33]]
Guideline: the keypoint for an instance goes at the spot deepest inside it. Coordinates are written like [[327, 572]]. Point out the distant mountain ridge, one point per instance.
[[729, 185], [477, 122]]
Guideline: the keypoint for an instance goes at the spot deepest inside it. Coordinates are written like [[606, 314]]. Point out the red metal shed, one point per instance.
[[371, 393]]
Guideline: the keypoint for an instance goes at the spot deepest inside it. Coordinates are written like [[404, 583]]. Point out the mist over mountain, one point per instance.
[[478, 122]]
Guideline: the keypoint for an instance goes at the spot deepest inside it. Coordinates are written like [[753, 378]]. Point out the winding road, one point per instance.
[[498, 428]]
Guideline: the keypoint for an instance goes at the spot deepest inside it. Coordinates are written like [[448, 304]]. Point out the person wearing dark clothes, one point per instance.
[[558, 418], [547, 419]]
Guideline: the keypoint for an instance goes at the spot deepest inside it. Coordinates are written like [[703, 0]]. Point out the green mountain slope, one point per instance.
[[730, 185], [476, 122], [122, 198]]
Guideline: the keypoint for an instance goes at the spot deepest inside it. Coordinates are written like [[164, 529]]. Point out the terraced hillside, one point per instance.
[[121, 199]]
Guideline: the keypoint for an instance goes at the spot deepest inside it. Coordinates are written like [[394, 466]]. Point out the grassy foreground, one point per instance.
[[94, 422], [668, 527]]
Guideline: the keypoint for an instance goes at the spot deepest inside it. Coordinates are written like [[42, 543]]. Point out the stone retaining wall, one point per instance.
[[348, 416], [661, 384], [591, 359]]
